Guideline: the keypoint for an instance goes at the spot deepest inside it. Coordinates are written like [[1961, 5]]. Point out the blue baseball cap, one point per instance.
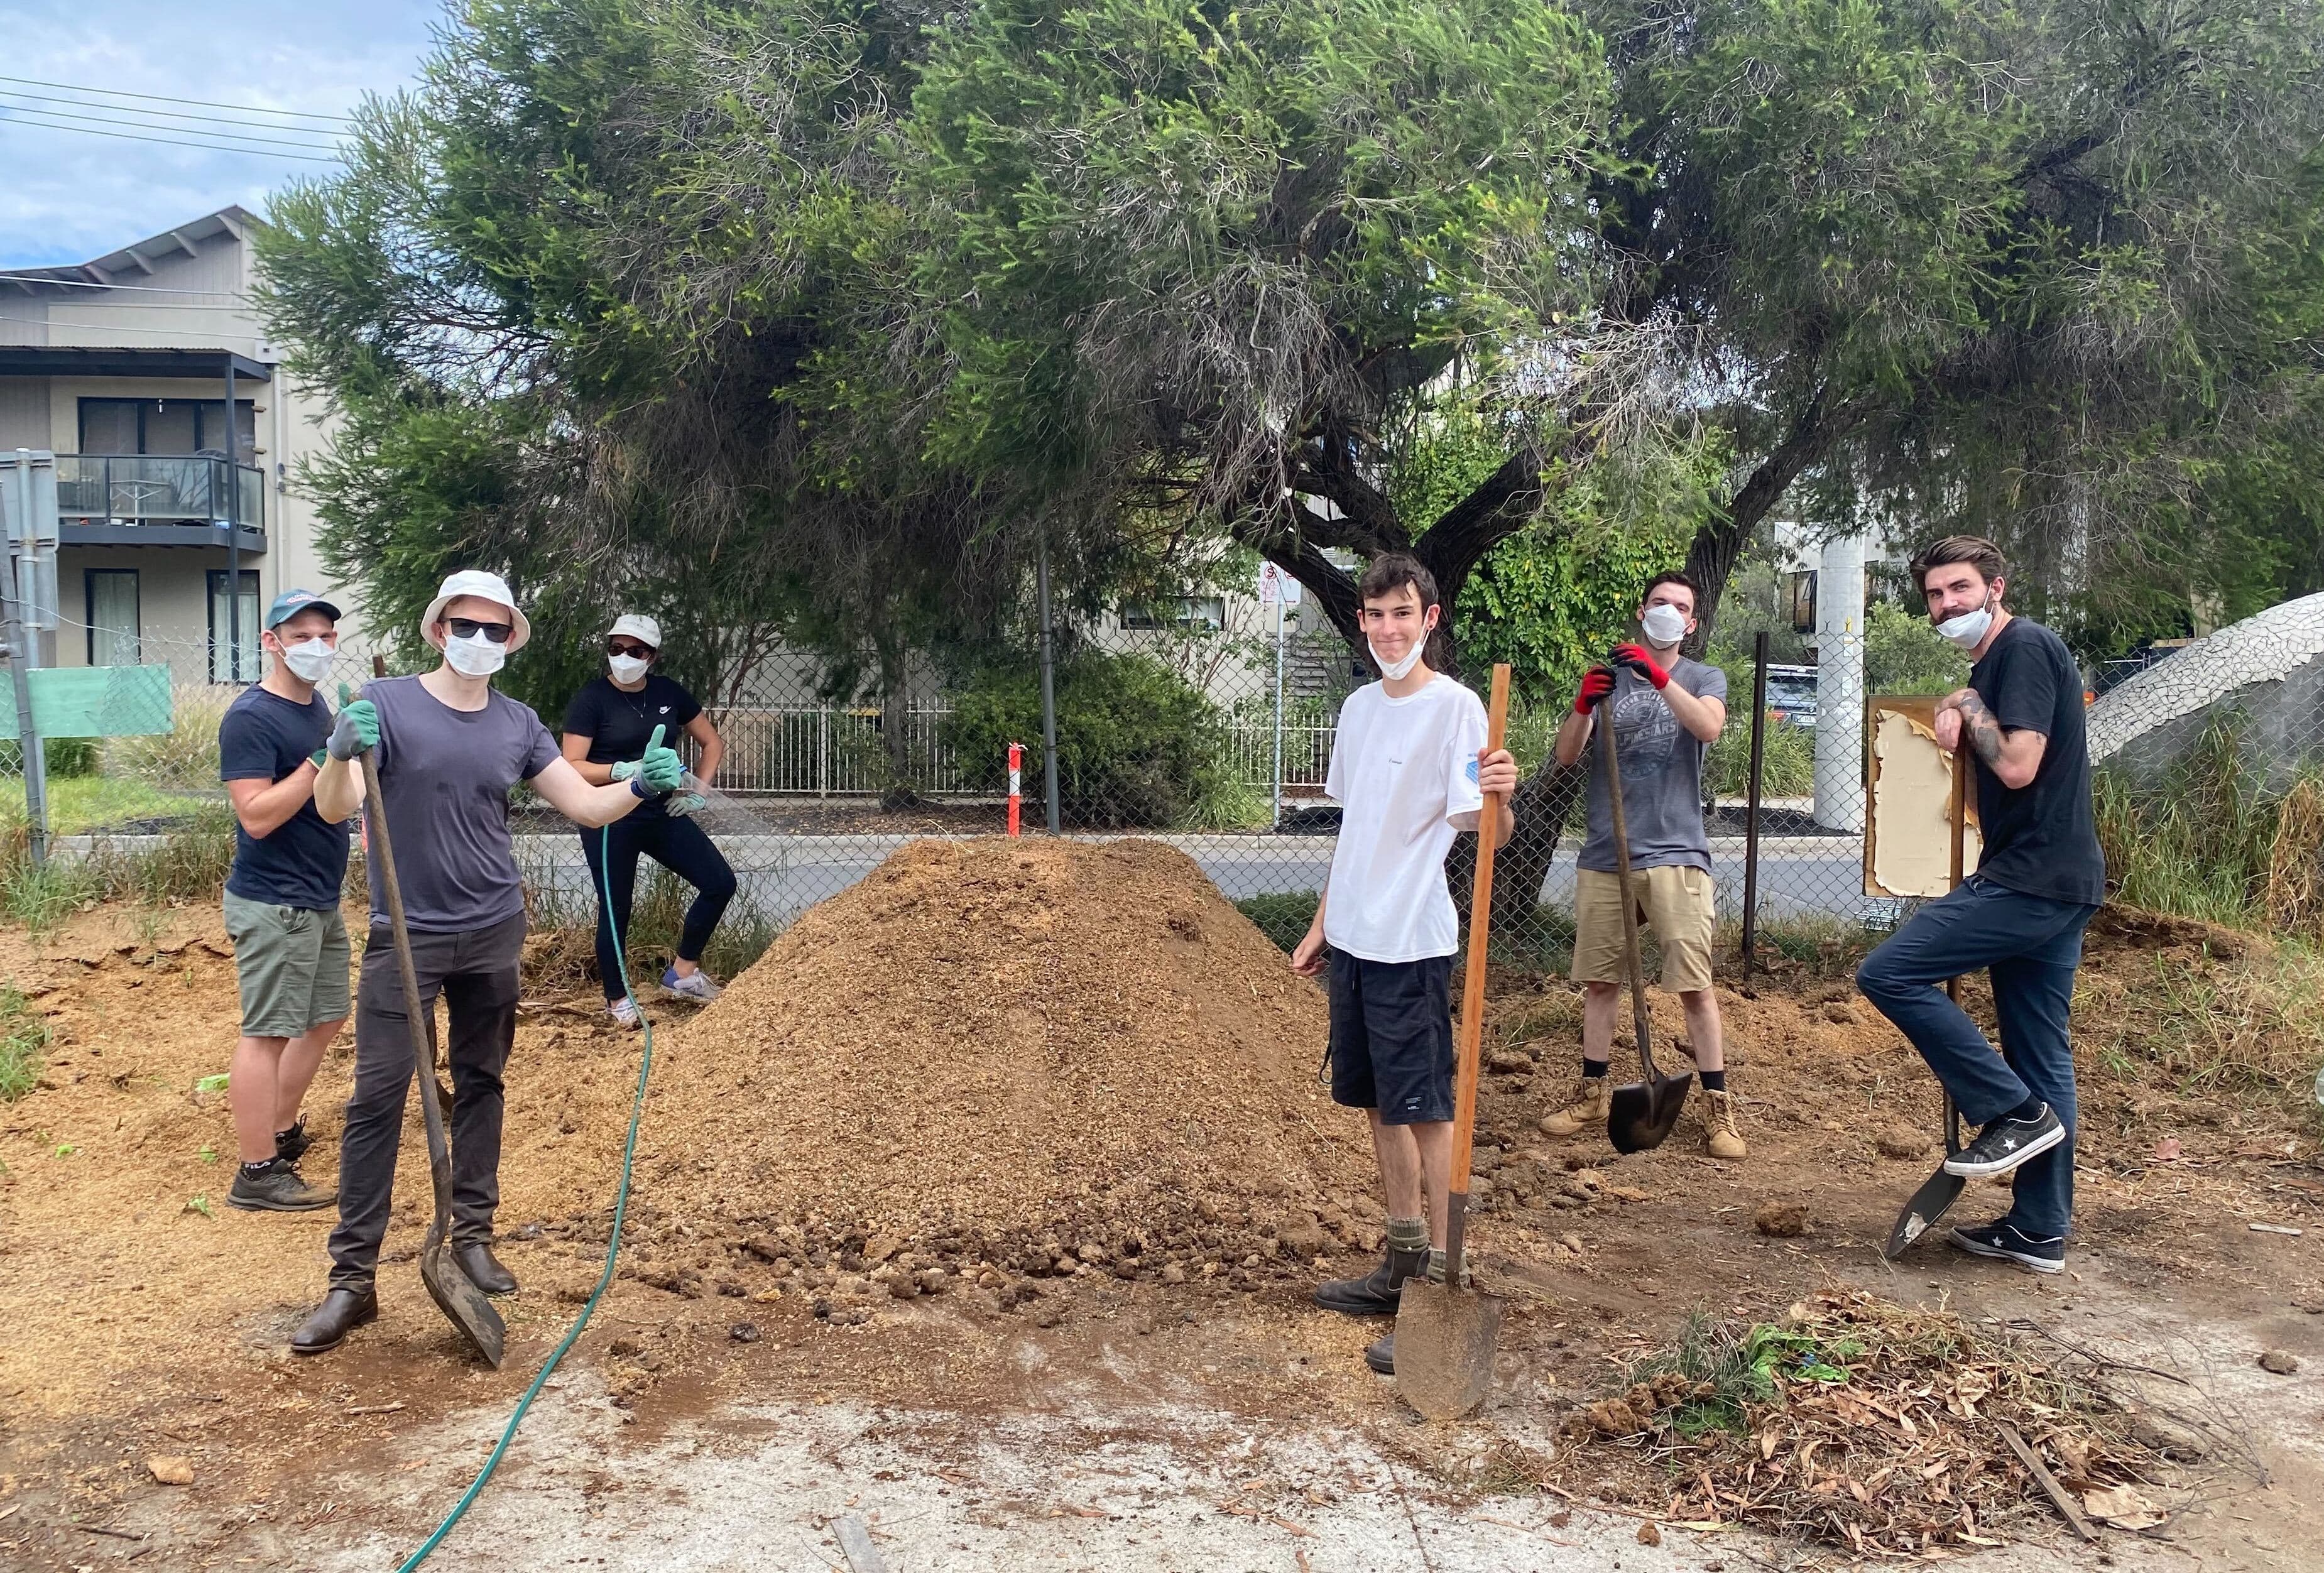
[[292, 603]]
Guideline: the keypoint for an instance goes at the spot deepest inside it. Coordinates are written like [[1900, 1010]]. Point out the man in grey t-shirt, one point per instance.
[[1665, 711], [448, 749]]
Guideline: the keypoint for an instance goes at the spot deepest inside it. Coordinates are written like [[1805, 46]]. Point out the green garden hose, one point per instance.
[[613, 1247]]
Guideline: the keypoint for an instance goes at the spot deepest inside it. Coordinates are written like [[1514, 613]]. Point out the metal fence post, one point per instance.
[[1049, 687], [21, 658], [1751, 806], [1277, 820]]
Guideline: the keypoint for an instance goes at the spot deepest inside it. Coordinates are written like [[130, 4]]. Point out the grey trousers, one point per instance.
[[476, 974]]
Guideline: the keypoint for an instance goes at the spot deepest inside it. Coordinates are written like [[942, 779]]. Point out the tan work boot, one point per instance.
[[1720, 1138], [1586, 1112]]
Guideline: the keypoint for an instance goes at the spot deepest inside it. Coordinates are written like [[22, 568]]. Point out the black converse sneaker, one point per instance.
[[2009, 1243], [2005, 1142]]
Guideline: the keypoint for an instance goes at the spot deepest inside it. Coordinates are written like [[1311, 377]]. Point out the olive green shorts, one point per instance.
[[293, 964]]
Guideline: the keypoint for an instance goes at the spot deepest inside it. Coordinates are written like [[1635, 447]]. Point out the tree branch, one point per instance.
[[1710, 556], [1463, 533]]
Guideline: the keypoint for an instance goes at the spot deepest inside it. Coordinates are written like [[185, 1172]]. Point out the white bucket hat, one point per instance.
[[485, 586], [637, 626]]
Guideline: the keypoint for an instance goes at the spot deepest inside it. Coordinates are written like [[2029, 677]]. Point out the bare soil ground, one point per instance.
[[718, 1411]]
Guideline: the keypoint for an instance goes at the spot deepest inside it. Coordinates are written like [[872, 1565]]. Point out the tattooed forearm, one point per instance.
[[1982, 730]]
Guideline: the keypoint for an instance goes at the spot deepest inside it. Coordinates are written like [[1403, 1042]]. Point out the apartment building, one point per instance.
[[149, 375]]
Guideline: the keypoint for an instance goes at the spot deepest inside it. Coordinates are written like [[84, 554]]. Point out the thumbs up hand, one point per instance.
[[660, 770]]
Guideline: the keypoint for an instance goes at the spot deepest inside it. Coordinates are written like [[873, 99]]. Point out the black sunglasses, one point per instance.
[[469, 628], [624, 648]]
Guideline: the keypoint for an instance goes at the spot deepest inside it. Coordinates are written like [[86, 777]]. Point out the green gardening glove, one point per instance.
[[356, 732], [660, 770], [623, 771]]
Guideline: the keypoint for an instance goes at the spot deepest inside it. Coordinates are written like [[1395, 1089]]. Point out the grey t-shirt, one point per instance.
[[445, 775], [1662, 774]]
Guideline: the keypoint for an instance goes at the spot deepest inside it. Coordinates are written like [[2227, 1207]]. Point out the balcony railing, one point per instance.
[[154, 488]]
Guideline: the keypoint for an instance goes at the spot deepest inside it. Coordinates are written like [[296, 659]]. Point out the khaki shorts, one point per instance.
[[1678, 908], [293, 964]]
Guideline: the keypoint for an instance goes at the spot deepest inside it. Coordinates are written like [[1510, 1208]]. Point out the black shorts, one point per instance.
[[1392, 1037]]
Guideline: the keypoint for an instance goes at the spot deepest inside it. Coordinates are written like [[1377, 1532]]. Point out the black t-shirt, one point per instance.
[[618, 724], [2040, 838], [300, 863]]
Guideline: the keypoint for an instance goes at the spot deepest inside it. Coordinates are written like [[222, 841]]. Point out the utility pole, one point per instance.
[[1048, 685]]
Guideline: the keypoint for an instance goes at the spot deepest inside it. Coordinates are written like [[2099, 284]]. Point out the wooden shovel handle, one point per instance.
[[1480, 919]]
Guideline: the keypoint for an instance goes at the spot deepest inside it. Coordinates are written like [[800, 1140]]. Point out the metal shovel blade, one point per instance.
[[457, 1296], [1444, 1343], [1641, 1114], [1938, 1193]]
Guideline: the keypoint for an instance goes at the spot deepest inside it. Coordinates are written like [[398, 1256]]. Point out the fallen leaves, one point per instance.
[[2123, 1507], [168, 1469]]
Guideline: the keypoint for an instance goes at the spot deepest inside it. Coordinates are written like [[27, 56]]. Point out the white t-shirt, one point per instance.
[[1404, 773]]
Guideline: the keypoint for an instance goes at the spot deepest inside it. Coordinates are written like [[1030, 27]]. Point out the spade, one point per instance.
[[1640, 1114]]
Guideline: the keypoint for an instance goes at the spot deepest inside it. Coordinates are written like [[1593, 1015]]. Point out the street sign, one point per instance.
[[1276, 587]]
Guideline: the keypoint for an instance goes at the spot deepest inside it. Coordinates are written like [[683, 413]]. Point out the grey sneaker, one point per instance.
[[696, 986], [624, 1011], [275, 1188]]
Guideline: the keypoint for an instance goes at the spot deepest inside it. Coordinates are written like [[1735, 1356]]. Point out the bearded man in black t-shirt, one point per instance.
[[2039, 879]]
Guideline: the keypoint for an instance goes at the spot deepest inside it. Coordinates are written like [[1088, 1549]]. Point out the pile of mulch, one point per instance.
[[1009, 1059], [1863, 1424]]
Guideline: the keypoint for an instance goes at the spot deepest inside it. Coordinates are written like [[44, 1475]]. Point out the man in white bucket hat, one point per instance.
[[448, 748]]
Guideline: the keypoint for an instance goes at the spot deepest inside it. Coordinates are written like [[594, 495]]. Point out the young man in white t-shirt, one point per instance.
[[1409, 769]]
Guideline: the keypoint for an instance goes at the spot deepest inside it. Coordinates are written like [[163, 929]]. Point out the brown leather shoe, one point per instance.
[[342, 1311], [483, 1269]]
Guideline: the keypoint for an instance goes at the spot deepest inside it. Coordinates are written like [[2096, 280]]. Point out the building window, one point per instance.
[[174, 426], [1176, 613], [115, 639], [224, 668]]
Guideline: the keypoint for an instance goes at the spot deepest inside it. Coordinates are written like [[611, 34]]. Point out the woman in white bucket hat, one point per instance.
[[602, 726]]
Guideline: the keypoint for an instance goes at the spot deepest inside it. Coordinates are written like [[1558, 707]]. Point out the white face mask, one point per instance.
[[1395, 671], [476, 656], [309, 660], [1665, 625], [627, 668], [1967, 631]]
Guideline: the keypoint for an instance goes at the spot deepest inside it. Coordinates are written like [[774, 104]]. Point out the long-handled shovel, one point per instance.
[[456, 1296], [1445, 1334], [1640, 1114], [1941, 1190]]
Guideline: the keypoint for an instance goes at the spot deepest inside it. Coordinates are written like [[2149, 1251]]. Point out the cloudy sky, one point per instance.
[[74, 184]]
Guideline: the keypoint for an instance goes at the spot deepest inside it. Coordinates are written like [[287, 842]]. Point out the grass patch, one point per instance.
[[1283, 917], [1786, 763], [79, 804], [1820, 944], [2217, 1027], [188, 863], [23, 1038]]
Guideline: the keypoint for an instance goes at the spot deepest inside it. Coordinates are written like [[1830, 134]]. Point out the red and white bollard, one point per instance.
[[1016, 769]]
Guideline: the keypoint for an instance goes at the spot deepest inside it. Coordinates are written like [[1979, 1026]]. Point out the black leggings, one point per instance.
[[679, 845]]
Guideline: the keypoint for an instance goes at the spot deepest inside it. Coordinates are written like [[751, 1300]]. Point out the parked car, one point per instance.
[[1791, 694]]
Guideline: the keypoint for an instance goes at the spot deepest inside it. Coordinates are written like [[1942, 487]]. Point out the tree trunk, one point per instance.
[[1545, 803], [1710, 557]]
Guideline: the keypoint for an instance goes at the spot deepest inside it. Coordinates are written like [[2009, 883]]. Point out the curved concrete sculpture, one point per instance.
[[2269, 666]]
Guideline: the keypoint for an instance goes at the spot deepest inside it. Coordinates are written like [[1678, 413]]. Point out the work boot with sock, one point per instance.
[[1380, 1353], [1588, 1111], [274, 1186], [1378, 1292], [1720, 1140]]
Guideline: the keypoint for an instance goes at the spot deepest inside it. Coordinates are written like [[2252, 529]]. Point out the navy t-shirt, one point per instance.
[[2040, 838], [618, 724], [301, 862]]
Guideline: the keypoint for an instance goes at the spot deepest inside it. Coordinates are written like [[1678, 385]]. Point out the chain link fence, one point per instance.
[[1206, 723]]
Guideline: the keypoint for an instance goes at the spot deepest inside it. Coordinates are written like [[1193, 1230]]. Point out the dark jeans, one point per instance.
[[679, 845], [476, 974], [2031, 946]]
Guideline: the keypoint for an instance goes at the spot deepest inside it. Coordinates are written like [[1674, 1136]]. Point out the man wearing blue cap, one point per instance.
[[281, 902]]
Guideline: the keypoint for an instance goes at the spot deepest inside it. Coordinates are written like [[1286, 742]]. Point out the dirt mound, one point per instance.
[[1058, 1057]]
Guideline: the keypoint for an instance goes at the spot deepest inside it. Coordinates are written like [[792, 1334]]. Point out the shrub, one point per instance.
[[1786, 763], [187, 755], [1904, 654], [1137, 745]]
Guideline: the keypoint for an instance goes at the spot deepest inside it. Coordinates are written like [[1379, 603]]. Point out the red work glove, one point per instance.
[[1636, 657], [1597, 683]]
